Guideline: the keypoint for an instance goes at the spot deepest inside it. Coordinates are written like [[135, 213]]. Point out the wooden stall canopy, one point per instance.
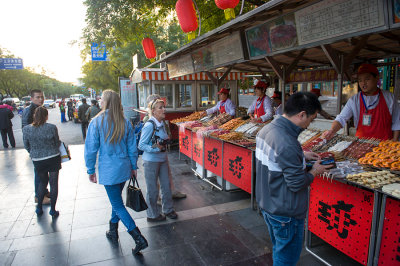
[[369, 43]]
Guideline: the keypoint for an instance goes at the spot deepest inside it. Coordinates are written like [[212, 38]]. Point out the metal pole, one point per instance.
[[340, 86], [283, 87], [241, 9]]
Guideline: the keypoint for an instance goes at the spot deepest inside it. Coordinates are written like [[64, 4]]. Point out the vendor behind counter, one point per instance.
[[261, 109], [225, 105], [375, 112]]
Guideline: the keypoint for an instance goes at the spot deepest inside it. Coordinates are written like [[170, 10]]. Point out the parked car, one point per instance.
[[49, 104], [13, 100]]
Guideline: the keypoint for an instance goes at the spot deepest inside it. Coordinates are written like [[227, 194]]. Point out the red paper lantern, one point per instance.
[[149, 49], [187, 17], [228, 6]]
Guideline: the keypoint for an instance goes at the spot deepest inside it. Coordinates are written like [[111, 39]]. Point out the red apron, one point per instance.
[[222, 107], [259, 109], [381, 120]]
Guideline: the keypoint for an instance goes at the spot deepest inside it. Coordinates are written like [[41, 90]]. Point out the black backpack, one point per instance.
[[138, 133]]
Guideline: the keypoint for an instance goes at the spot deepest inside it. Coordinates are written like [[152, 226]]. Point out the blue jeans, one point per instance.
[[119, 211], [287, 238]]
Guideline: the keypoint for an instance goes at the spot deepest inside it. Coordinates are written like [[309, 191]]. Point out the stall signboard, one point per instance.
[[389, 253], [129, 97], [237, 166], [274, 35], [321, 21], [198, 146], [11, 63], [228, 49], [341, 215], [181, 66], [313, 76], [185, 141], [213, 155], [331, 18]]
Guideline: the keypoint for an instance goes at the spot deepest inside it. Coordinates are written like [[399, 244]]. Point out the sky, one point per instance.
[[40, 33]]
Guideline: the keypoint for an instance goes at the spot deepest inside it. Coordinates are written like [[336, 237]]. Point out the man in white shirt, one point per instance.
[[375, 112]]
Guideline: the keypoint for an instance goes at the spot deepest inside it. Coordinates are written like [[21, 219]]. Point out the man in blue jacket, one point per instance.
[[282, 179]]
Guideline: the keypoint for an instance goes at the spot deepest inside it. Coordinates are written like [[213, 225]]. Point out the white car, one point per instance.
[[49, 104], [15, 100]]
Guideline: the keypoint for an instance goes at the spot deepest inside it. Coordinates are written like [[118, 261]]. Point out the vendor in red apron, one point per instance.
[[375, 112], [261, 109], [225, 105]]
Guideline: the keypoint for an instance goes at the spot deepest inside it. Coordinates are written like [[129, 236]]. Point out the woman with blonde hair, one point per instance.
[[42, 142], [112, 136], [153, 143]]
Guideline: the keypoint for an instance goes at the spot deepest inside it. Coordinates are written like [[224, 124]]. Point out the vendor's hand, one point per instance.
[[256, 120], [328, 134], [93, 178], [311, 156], [319, 169]]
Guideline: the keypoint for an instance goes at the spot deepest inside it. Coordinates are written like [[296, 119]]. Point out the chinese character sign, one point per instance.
[[237, 165], [341, 215], [99, 52], [11, 63]]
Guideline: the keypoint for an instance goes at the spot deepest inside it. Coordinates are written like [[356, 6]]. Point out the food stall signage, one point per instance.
[[236, 167], [322, 21], [312, 76], [337, 216], [221, 52], [213, 153], [332, 18], [213, 157]]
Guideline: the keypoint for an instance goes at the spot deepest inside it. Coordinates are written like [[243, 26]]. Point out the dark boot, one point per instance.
[[141, 242], [112, 234]]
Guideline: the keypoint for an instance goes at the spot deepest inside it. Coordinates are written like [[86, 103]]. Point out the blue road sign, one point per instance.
[[99, 52], [11, 63]]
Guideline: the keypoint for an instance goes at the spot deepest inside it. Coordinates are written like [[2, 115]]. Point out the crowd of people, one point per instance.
[[282, 179]]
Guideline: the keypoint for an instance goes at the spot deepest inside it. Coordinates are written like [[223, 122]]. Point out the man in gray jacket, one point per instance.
[[282, 179], [37, 99]]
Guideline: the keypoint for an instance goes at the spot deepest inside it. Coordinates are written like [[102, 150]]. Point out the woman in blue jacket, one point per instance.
[[153, 144], [112, 136]]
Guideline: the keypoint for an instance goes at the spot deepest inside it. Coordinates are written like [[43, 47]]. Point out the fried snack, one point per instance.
[[231, 136], [374, 179], [232, 124], [192, 117]]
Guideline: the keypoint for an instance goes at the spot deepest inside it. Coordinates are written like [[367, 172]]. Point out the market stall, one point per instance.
[[286, 37]]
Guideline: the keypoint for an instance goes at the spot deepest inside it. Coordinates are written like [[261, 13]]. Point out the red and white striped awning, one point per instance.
[[163, 75]]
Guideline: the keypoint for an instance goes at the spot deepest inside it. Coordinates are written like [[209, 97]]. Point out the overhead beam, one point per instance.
[[304, 58], [290, 68], [334, 58], [359, 45], [262, 73], [212, 78], [390, 36], [276, 67]]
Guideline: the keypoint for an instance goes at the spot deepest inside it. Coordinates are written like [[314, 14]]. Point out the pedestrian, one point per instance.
[[176, 194], [42, 142], [70, 105], [153, 141], [37, 99], [93, 110], [112, 136], [62, 111], [6, 125], [281, 177], [82, 117]]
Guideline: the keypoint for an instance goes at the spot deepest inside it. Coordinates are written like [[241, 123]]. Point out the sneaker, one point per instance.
[[172, 215], [178, 195], [160, 218]]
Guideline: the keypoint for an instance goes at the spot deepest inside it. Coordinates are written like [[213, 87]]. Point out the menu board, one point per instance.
[[181, 66], [223, 51], [332, 18], [277, 34]]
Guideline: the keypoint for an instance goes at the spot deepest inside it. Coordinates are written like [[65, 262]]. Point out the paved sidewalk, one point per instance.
[[213, 228]]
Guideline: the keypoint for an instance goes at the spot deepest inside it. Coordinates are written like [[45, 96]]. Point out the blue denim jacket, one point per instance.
[[151, 154], [115, 160]]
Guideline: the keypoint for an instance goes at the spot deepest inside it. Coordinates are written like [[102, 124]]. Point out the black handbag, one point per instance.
[[134, 196]]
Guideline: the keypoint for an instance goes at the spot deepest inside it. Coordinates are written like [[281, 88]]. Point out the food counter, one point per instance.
[[354, 207]]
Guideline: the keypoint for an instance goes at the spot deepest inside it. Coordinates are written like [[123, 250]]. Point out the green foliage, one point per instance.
[[19, 83], [122, 25]]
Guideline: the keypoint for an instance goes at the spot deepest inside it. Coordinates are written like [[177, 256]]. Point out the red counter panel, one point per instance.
[[213, 155], [185, 141], [341, 215], [198, 145], [390, 245], [237, 166]]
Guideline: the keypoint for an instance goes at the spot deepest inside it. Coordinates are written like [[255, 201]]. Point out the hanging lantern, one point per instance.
[[149, 49], [228, 6], [187, 17]]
